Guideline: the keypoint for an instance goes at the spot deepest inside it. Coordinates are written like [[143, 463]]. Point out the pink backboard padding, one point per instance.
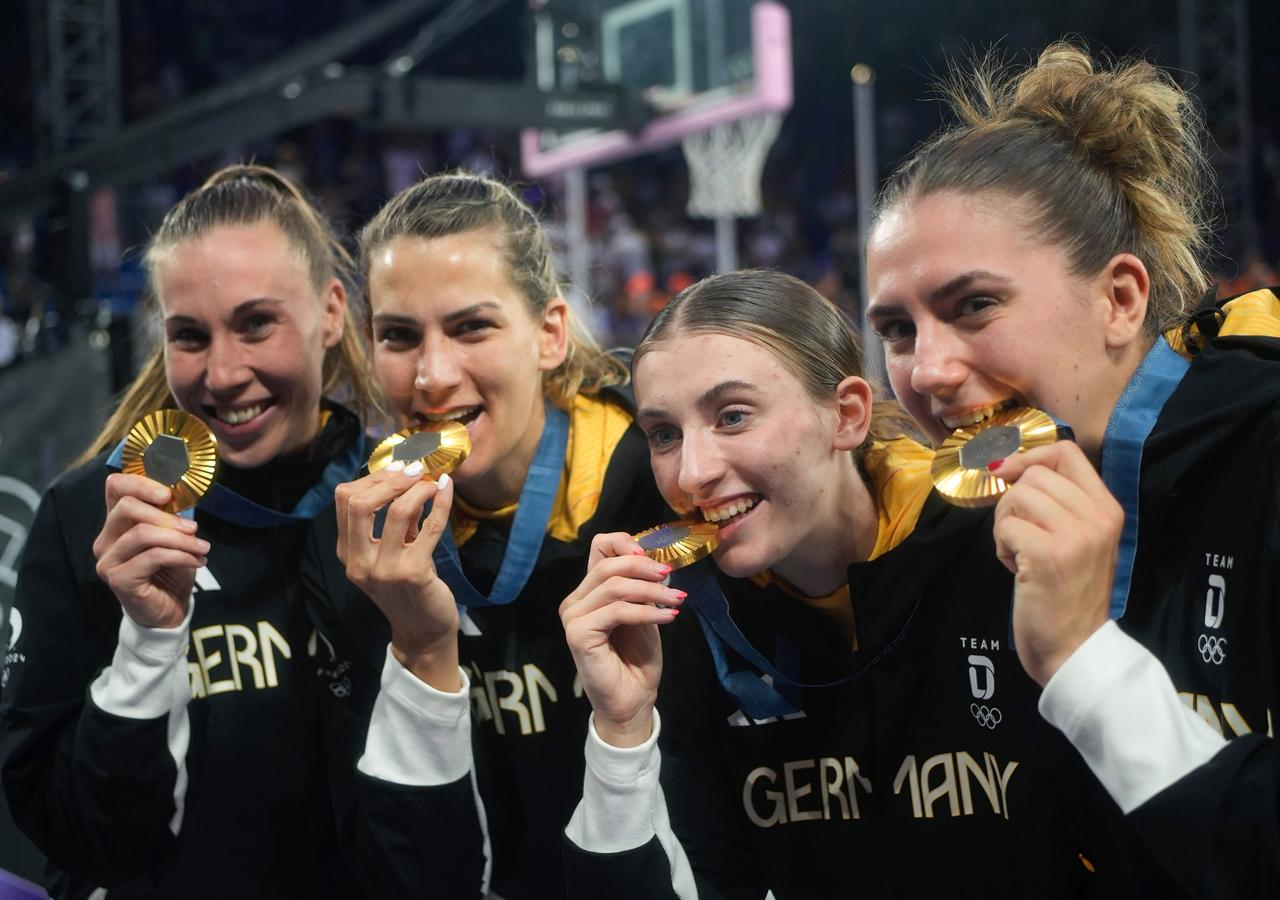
[[771, 92]]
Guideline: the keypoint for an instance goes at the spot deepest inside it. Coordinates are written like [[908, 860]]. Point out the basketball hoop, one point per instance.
[[725, 165]]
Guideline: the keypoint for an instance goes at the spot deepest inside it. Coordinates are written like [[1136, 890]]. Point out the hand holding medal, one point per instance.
[[146, 553], [386, 545], [611, 621]]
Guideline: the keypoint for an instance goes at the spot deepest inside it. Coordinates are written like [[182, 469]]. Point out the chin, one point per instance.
[[737, 564]]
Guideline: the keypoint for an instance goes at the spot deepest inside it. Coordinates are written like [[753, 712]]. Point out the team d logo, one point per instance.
[[1215, 601], [1213, 647], [982, 685]]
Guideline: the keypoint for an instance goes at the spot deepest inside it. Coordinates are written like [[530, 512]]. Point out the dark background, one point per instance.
[[69, 354]]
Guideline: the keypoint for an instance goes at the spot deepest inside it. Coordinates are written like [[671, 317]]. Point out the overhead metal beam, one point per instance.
[[143, 151]]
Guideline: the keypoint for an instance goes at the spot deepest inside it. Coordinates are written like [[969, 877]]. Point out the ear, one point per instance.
[[553, 334], [1125, 285], [853, 411], [332, 316]]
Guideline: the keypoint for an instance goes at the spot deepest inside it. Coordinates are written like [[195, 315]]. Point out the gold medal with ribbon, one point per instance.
[[440, 448], [960, 470], [177, 450]]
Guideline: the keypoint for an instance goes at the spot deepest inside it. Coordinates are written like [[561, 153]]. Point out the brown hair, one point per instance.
[[789, 319], [459, 202], [246, 195], [1111, 157]]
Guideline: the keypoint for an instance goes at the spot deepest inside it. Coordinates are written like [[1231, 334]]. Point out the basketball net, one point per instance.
[[725, 164]]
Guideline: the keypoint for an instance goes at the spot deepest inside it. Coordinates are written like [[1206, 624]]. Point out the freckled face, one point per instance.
[[734, 436], [245, 338], [973, 311]]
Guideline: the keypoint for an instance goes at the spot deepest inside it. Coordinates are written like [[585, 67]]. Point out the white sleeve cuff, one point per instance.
[[418, 735], [1116, 703], [620, 794], [148, 675]]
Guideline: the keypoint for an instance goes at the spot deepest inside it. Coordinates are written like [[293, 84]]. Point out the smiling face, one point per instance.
[[734, 437], [975, 313], [245, 338], [453, 338]]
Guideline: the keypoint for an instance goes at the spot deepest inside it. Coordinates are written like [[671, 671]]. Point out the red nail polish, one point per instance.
[[994, 464], [675, 612], [680, 594]]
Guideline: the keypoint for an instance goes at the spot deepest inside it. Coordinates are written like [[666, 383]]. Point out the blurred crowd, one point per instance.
[[643, 247]]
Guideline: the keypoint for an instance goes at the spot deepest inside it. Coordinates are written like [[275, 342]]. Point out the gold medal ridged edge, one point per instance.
[[699, 543], [455, 446], [202, 453], [979, 487]]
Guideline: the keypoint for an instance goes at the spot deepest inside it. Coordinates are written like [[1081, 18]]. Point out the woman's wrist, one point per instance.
[[630, 733], [434, 662]]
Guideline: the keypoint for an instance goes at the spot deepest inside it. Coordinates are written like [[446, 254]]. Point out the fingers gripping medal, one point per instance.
[[960, 470], [175, 449], [440, 448], [678, 544]]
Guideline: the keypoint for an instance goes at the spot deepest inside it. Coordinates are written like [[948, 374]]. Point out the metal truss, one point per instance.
[[76, 60]]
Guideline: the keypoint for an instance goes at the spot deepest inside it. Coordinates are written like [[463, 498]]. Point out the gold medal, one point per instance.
[[960, 466], [440, 448], [175, 449], [679, 544]]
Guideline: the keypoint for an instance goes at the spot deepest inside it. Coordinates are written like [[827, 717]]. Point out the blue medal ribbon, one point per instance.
[[756, 697], [1130, 425], [528, 528], [229, 506]]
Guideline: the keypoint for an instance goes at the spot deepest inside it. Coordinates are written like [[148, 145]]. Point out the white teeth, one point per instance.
[[450, 416], [974, 416], [240, 416], [728, 511]]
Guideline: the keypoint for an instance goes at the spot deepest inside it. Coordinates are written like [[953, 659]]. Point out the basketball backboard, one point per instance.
[[698, 63]]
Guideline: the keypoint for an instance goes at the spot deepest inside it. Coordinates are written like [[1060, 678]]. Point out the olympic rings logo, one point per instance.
[[1212, 649], [986, 716]]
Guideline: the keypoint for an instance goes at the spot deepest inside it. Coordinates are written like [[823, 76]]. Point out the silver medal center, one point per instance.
[[166, 460], [989, 445], [418, 445]]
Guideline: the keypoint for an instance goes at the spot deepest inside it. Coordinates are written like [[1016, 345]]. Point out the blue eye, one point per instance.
[[257, 324], [731, 418], [662, 436]]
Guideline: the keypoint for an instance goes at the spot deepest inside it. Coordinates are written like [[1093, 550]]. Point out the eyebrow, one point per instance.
[[941, 293], [472, 310], [450, 319], [962, 282], [710, 396], [239, 310]]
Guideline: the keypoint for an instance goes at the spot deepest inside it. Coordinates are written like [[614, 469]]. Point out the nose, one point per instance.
[[437, 368], [701, 463], [937, 368], [227, 368]]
